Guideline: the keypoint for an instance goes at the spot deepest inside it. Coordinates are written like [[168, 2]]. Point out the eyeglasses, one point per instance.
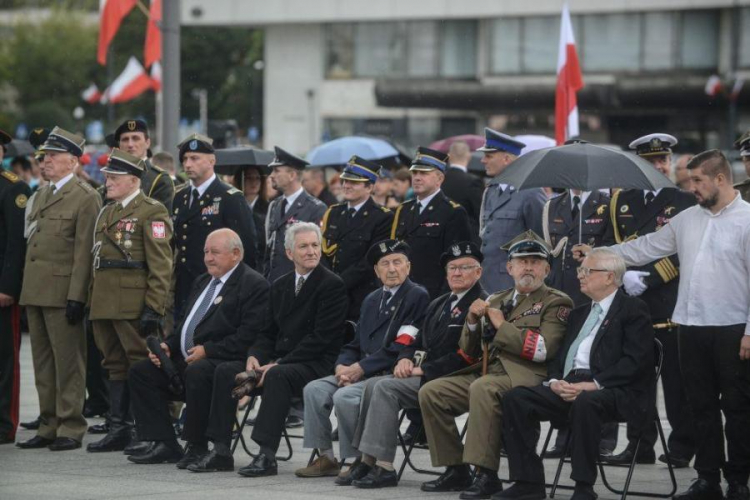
[[464, 269], [586, 271]]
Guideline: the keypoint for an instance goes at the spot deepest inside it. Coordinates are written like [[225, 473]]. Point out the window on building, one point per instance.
[[659, 40], [541, 37], [611, 42], [340, 51], [422, 49], [458, 49], [699, 41], [744, 48], [379, 49], [505, 45]]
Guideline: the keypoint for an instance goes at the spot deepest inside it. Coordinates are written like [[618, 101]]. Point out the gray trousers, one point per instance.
[[321, 397], [377, 429]]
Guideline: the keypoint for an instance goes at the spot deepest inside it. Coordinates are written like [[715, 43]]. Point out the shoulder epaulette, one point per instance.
[[385, 209], [85, 185], [336, 205], [10, 176], [181, 187], [233, 190], [156, 167], [151, 201], [413, 200], [454, 204]]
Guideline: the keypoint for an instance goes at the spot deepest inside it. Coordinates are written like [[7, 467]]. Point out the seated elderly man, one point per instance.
[[308, 308], [523, 328], [225, 310], [434, 354], [603, 372], [389, 320]]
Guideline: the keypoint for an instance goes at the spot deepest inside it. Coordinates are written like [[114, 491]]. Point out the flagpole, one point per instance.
[[170, 112]]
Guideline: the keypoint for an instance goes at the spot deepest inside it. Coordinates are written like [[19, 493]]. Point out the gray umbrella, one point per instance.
[[19, 148], [230, 160], [583, 166]]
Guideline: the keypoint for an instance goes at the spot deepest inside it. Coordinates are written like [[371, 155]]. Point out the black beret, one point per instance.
[[386, 247], [130, 126], [459, 251], [196, 143]]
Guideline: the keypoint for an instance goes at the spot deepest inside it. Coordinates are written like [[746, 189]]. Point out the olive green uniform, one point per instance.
[[744, 189]]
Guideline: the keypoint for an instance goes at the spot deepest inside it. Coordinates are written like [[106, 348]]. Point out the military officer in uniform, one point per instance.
[[743, 145], [431, 222], [294, 205], [14, 194], [55, 290], [524, 326], [506, 211], [350, 228], [635, 213], [133, 264], [202, 206]]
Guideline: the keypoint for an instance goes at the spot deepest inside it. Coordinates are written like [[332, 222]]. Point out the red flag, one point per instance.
[[131, 83], [152, 49], [111, 14], [569, 81], [91, 95]]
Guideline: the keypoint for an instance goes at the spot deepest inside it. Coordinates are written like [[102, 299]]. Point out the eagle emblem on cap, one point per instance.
[[383, 247], [655, 143], [193, 145], [455, 250], [131, 125]]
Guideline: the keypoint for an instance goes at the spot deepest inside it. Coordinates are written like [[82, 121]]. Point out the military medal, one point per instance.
[[118, 236], [127, 244]]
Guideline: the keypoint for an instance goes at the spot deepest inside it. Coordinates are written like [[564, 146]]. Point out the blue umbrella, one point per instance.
[[339, 151]]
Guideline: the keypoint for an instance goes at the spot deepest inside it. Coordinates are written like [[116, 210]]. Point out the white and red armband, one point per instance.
[[406, 335], [534, 348]]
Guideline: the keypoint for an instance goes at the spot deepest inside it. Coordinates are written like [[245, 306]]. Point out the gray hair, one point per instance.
[[232, 240], [298, 228], [611, 261]]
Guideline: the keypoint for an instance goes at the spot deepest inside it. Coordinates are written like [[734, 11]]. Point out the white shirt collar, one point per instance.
[[731, 205], [59, 184], [461, 295], [203, 187], [426, 201], [392, 290], [356, 207], [224, 278], [606, 302], [293, 197], [584, 196], [656, 193], [298, 275], [460, 167], [130, 198]]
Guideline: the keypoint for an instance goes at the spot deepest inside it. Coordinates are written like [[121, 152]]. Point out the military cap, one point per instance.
[[653, 145], [743, 144], [196, 143], [386, 247], [575, 140], [428, 159], [497, 141], [122, 163], [385, 174], [130, 126], [38, 136], [459, 251], [286, 159], [360, 170], [63, 141], [528, 244], [110, 141]]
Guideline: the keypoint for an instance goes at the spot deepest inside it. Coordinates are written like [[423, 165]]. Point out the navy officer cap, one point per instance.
[[286, 159], [360, 170], [428, 159], [653, 145], [386, 247], [743, 144], [496, 141], [131, 126], [459, 251], [196, 143]]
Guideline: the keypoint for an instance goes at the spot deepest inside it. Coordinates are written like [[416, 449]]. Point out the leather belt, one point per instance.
[[665, 326], [120, 264]]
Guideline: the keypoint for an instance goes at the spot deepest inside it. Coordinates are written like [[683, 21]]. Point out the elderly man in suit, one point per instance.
[[603, 372], [294, 205], [225, 310], [506, 211], [389, 321], [523, 328], [307, 311]]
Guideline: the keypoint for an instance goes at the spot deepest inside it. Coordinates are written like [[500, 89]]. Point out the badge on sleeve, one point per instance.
[[563, 313], [158, 230], [21, 200]]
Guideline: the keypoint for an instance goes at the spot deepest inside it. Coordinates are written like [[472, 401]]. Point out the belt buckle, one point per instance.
[[97, 261]]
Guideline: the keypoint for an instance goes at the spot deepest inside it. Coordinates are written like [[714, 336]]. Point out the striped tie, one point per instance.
[[199, 313], [586, 330]]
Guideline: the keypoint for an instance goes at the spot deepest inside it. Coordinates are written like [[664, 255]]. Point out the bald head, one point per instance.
[[460, 153]]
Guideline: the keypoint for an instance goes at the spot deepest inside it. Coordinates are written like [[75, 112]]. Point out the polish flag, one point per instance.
[[156, 76], [91, 95], [111, 14], [131, 83], [713, 86], [569, 81], [152, 49]]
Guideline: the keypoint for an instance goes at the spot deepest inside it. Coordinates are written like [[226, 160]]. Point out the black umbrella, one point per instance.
[[19, 148], [230, 160]]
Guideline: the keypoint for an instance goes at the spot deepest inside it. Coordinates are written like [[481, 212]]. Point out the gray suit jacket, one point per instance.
[[503, 217], [306, 208]]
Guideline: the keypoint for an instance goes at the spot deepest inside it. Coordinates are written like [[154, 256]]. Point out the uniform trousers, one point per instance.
[[446, 398], [59, 354], [121, 345], [717, 381], [10, 375], [321, 397], [377, 428], [97, 398]]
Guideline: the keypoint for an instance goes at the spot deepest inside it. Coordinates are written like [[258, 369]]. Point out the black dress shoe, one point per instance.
[[556, 452], [583, 491], [64, 444], [626, 457], [138, 447], [90, 412], [378, 477], [193, 453], [678, 462], [159, 453], [701, 490], [455, 478], [737, 491], [34, 443], [261, 466], [485, 485], [102, 428], [358, 470], [293, 422], [522, 491], [212, 462], [32, 425], [115, 440]]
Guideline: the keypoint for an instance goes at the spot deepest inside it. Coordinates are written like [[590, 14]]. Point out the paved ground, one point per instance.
[[41, 474]]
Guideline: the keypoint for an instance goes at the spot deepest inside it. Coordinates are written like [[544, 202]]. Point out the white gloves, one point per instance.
[[633, 282]]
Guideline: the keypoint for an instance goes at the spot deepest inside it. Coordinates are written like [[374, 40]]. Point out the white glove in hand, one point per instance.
[[633, 282]]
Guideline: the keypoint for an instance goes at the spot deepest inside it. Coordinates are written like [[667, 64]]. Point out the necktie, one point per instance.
[[300, 282], [283, 206], [199, 313], [576, 202], [649, 198], [384, 301], [500, 190], [352, 213], [118, 206], [196, 195], [447, 306], [586, 330], [54, 188], [421, 206]]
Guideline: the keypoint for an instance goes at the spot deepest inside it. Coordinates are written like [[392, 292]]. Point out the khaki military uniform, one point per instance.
[[58, 269], [132, 268], [523, 344], [744, 189]]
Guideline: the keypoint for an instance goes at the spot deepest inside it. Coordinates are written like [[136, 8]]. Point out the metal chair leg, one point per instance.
[[555, 483]]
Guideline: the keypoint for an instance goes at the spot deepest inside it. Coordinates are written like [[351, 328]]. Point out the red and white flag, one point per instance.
[[111, 14], [131, 83], [156, 76], [152, 49], [569, 81], [92, 94], [713, 86]]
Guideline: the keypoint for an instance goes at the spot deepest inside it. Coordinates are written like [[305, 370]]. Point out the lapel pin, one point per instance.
[[218, 300]]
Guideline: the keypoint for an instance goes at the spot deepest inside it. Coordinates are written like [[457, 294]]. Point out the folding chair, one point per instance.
[[625, 491], [241, 439]]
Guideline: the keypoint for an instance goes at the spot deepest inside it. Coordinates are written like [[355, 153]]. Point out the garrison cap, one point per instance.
[[360, 170], [653, 145], [286, 159], [459, 251], [196, 143], [428, 159], [497, 141], [743, 144], [527, 244], [386, 247], [122, 163], [63, 141], [130, 126]]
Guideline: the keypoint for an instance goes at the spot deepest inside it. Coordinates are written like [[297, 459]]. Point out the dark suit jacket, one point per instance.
[[307, 328], [375, 346], [465, 189], [230, 326], [622, 355]]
